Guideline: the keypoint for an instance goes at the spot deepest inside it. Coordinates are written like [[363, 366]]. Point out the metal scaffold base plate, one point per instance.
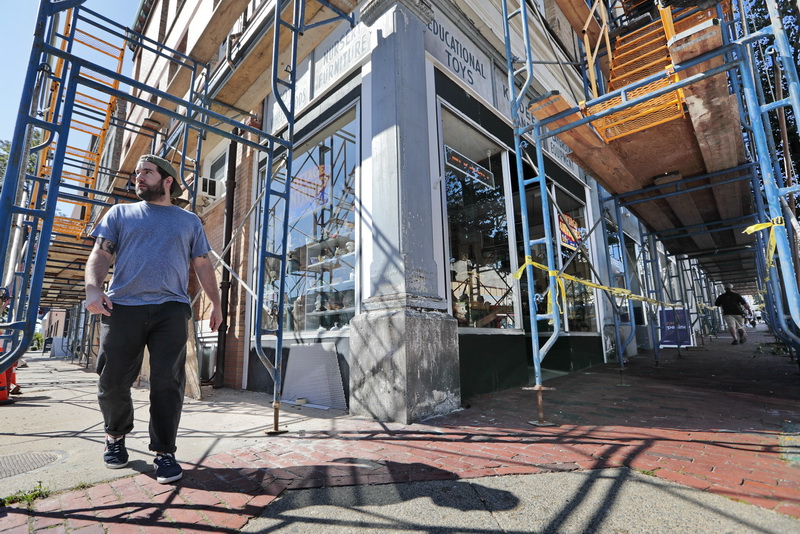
[[542, 423]]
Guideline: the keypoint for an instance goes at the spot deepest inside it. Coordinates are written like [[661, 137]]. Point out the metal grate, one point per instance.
[[16, 464], [644, 71], [647, 114], [625, 55]]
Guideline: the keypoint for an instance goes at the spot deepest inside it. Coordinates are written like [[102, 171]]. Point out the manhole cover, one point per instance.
[[16, 464]]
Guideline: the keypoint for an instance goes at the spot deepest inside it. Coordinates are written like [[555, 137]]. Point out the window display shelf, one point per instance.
[[329, 264], [331, 243], [336, 287], [322, 266], [340, 311]]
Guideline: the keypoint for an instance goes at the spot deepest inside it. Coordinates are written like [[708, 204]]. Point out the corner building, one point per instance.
[[404, 228]]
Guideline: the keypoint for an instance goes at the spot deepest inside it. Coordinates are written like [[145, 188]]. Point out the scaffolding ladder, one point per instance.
[[84, 95]]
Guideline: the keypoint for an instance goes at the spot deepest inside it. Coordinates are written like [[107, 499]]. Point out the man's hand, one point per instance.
[[215, 321], [96, 271], [208, 281], [98, 302]]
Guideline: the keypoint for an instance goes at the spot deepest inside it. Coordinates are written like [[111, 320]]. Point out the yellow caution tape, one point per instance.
[[528, 261], [771, 243], [559, 288], [703, 306], [560, 277]]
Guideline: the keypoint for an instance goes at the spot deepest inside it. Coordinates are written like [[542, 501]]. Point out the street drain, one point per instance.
[[16, 464]]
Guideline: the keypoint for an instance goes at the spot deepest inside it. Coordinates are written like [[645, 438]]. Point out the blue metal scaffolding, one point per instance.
[[772, 253], [38, 214], [64, 65]]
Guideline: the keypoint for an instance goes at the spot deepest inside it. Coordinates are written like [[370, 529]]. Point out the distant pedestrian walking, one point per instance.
[[733, 312]]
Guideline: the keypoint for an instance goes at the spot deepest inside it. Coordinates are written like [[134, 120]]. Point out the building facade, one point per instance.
[[404, 232]]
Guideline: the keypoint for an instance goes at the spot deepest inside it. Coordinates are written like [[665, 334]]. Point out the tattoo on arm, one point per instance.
[[106, 245]]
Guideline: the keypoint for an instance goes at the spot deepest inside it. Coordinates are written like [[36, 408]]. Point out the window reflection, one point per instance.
[[321, 248], [480, 272], [580, 299]]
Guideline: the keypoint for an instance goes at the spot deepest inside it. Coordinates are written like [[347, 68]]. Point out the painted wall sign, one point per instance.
[[339, 52], [302, 97], [503, 103], [556, 149], [451, 47], [552, 146], [343, 49]]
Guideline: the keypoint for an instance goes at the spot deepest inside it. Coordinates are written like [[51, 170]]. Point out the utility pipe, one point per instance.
[[225, 284]]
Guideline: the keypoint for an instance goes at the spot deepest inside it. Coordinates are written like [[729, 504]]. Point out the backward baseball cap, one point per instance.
[[166, 166]]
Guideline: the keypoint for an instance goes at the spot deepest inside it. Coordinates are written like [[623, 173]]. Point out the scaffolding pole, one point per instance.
[[271, 267], [517, 97], [82, 101]]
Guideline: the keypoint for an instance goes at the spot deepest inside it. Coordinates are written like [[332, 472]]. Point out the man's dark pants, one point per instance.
[[162, 328]]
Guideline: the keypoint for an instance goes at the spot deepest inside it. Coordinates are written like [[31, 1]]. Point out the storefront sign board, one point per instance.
[[342, 50], [277, 118], [455, 51], [675, 328], [552, 146], [567, 224]]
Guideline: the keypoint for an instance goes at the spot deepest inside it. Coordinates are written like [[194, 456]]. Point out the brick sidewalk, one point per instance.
[[711, 420]]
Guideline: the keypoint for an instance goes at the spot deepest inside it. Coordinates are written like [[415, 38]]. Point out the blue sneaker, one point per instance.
[[115, 454], [167, 469]]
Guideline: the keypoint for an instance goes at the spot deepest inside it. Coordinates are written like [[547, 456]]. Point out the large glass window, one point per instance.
[[577, 303], [580, 299], [618, 275], [538, 252], [479, 256], [321, 253]]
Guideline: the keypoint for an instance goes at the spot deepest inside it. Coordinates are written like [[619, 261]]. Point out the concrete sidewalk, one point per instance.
[[699, 443]]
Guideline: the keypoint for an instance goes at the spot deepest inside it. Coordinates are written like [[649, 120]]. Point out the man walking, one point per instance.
[[151, 244], [733, 306]]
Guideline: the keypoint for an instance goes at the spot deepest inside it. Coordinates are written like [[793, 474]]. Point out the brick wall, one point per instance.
[[214, 222]]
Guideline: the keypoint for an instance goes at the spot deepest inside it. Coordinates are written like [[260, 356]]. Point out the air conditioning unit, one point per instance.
[[209, 188]]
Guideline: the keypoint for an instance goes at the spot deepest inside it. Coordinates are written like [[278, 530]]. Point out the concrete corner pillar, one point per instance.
[[404, 344], [405, 365]]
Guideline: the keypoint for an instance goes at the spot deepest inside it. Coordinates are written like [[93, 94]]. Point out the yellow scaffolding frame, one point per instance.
[[645, 53], [77, 223]]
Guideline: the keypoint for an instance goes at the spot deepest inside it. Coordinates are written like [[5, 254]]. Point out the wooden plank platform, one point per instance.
[[684, 207], [712, 110], [636, 161], [715, 118], [577, 13], [706, 140]]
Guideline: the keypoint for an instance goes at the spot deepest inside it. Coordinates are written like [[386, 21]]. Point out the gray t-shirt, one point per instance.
[[154, 247]]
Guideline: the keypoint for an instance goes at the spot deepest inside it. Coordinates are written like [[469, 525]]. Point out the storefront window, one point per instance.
[[321, 253], [618, 276], [538, 255], [581, 315], [480, 269]]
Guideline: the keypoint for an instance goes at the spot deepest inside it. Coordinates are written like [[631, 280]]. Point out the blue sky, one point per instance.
[[16, 35]]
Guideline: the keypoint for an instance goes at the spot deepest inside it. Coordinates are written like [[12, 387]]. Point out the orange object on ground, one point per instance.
[[8, 379]]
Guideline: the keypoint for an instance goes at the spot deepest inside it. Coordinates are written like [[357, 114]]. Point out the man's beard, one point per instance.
[[152, 193]]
